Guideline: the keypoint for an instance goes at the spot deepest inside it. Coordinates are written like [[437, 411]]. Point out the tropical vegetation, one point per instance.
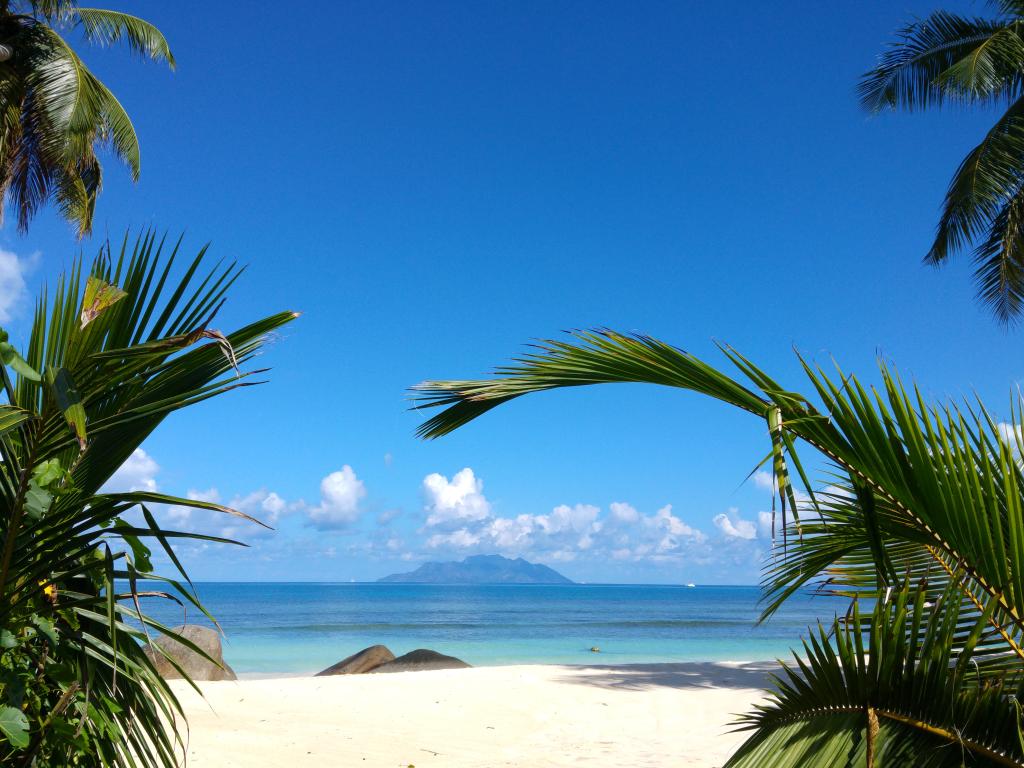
[[913, 510], [112, 352], [946, 58], [55, 114]]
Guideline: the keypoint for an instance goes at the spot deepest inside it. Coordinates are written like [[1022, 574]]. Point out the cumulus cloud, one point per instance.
[[340, 494], [138, 473], [455, 501], [266, 506], [579, 518], [765, 480], [512, 534], [460, 521], [623, 512], [731, 524], [13, 289], [211, 495]]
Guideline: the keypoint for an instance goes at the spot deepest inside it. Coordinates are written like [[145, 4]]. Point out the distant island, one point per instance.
[[480, 569]]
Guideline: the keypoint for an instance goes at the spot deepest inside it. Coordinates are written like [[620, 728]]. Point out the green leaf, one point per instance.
[[140, 552], [106, 27], [14, 725], [46, 628], [37, 501], [10, 357], [99, 296], [135, 363], [7, 639], [69, 401], [47, 472]]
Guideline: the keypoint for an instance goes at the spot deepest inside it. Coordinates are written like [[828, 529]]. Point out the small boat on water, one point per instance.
[[691, 585]]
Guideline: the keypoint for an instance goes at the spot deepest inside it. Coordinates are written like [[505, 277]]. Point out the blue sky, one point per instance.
[[434, 184]]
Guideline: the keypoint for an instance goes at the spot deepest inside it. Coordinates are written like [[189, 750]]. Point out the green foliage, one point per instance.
[[949, 58], [919, 500], [113, 359], [55, 114]]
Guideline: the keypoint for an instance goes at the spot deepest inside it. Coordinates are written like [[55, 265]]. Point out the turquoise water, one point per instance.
[[292, 628]]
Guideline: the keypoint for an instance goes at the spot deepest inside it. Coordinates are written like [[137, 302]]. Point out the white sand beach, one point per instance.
[[635, 715]]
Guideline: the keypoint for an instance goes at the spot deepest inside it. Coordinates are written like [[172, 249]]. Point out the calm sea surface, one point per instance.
[[288, 628]]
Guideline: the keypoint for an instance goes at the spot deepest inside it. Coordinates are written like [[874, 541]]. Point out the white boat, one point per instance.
[[691, 585]]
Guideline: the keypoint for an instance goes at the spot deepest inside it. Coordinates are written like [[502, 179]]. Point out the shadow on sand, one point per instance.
[[638, 677]]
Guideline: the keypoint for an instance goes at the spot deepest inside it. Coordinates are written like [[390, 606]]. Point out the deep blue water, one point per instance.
[[304, 627]]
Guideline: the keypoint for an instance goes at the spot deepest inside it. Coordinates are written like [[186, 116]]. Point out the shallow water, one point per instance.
[[290, 628]]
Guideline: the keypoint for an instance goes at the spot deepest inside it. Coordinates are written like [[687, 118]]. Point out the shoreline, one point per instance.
[[657, 715], [625, 665]]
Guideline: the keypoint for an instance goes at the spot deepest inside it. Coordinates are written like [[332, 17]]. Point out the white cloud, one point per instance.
[[460, 539], [273, 504], [733, 525], [340, 494], [623, 512], [456, 501], [567, 532], [138, 473], [211, 495], [764, 480], [665, 520], [564, 519], [512, 533], [266, 506], [13, 289]]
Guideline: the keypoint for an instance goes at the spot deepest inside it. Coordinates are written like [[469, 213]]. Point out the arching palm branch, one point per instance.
[[109, 357], [949, 58], [918, 496], [55, 114]]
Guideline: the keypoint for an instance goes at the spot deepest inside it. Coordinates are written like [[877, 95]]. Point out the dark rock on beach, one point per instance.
[[197, 667], [421, 660], [365, 660]]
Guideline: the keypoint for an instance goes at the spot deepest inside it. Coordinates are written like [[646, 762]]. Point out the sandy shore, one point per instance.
[[635, 715]]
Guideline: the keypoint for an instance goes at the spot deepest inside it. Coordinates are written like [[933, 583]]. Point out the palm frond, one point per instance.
[[986, 180], [109, 27], [940, 57], [119, 347], [919, 489], [889, 691]]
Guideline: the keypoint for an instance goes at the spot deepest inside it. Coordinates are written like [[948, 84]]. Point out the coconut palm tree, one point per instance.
[[946, 58], [922, 515], [54, 113], [111, 354]]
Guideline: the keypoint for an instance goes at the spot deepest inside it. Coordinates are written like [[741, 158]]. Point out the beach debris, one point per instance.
[[360, 662], [422, 659], [195, 665]]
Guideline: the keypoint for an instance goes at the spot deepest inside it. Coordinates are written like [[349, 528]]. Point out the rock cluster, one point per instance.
[[377, 658], [193, 664], [358, 663]]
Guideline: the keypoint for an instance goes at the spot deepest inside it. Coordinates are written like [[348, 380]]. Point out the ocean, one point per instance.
[[301, 628]]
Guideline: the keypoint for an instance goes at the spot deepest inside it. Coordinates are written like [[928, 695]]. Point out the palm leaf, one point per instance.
[[939, 57], [145, 351], [894, 695], [109, 27], [926, 493]]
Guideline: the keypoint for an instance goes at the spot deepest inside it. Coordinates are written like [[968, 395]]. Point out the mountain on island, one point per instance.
[[481, 569]]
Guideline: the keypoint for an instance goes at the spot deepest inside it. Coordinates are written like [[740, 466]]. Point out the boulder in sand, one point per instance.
[[365, 660], [197, 667], [420, 660]]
